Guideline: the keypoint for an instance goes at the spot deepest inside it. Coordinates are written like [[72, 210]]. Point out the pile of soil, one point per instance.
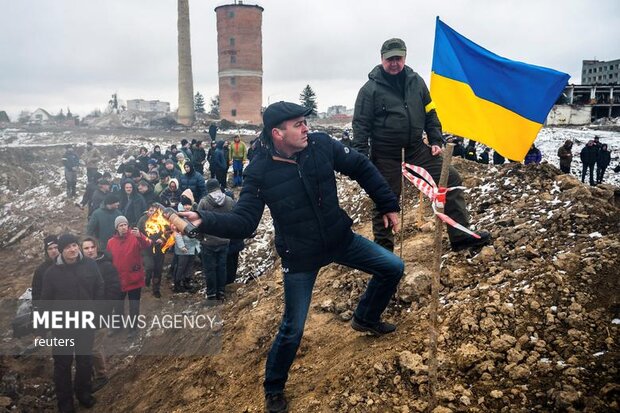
[[528, 324]]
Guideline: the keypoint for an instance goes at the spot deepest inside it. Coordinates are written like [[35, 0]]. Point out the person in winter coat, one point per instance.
[[73, 278], [50, 247], [238, 153], [459, 149], [171, 168], [588, 160], [171, 196], [392, 110], [200, 155], [186, 249], [126, 246], [346, 139], [101, 222], [533, 155], [92, 159], [71, 162], [132, 203], [566, 156], [213, 131], [142, 161], [90, 189], [484, 156], [187, 151], [153, 258], [157, 155], [164, 179], [470, 151], [295, 177], [111, 295], [215, 249], [220, 165], [210, 154], [146, 190], [181, 161], [192, 180], [603, 158]]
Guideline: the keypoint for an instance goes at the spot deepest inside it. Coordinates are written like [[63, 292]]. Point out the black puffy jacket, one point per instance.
[[390, 121], [310, 227]]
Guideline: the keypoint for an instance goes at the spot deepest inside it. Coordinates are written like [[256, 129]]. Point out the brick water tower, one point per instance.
[[240, 61]]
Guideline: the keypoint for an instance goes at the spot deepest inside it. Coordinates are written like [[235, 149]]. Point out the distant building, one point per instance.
[[597, 72], [40, 116], [142, 105], [336, 110]]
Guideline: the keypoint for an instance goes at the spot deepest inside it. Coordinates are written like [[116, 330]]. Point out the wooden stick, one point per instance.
[[432, 364], [421, 210], [402, 204]]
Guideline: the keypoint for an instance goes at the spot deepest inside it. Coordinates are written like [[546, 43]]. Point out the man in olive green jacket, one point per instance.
[[392, 111]]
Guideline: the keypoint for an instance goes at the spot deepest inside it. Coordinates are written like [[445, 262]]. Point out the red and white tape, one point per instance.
[[426, 184]]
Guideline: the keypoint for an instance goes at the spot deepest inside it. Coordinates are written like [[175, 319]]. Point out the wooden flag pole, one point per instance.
[[421, 210], [432, 365], [402, 204]]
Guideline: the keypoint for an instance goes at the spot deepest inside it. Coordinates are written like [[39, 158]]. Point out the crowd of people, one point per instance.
[[119, 257], [595, 156]]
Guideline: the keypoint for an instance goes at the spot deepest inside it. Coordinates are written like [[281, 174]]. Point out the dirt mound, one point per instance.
[[528, 324]]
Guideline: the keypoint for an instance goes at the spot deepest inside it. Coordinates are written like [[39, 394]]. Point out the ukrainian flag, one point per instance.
[[488, 98]]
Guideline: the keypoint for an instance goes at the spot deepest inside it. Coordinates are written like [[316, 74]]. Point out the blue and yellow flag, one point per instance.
[[488, 98]]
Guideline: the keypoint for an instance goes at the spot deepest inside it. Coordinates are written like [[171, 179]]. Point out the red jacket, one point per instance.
[[127, 260]]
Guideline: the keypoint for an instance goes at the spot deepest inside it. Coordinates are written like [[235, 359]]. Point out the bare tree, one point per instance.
[[186, 84]]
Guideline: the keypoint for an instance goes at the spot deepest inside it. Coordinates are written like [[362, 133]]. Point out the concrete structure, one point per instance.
[[586, 103], [142, 105], [240, 62], [595, 72]]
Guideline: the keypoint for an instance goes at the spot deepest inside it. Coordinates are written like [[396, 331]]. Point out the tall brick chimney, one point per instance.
[[240, 62]]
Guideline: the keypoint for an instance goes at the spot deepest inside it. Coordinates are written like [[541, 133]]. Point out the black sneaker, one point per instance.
[[98, 383], [87, 401], [276, 403], [377, 329], [471, 242], [156, 294]]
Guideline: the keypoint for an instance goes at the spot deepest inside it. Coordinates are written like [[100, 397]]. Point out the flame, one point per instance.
[[157, 225]]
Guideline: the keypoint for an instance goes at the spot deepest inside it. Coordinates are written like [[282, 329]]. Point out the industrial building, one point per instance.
[[597, 72], [240, 62], [142, 105]]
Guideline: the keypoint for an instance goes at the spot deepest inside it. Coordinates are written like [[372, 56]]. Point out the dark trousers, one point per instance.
[[455, 202], [600, 172], [565, 168], [232, 263], [220, 175], [153, 266], [184, 267], [362, 254], [90, 174], [237, 172], [584, 170], [71, 178], [134, 303], [63, 361], [214, 270]]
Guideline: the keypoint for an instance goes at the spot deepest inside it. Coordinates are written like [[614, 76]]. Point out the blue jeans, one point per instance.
[[362, 254], [237, 172], [214, 270]]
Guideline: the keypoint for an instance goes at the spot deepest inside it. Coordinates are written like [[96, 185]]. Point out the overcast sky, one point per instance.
[[76, 53]]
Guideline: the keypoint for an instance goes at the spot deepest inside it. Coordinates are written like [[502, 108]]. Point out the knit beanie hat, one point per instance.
[[49, 240], [65, 240], [212, 185], [110, 199], [120, 220]]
